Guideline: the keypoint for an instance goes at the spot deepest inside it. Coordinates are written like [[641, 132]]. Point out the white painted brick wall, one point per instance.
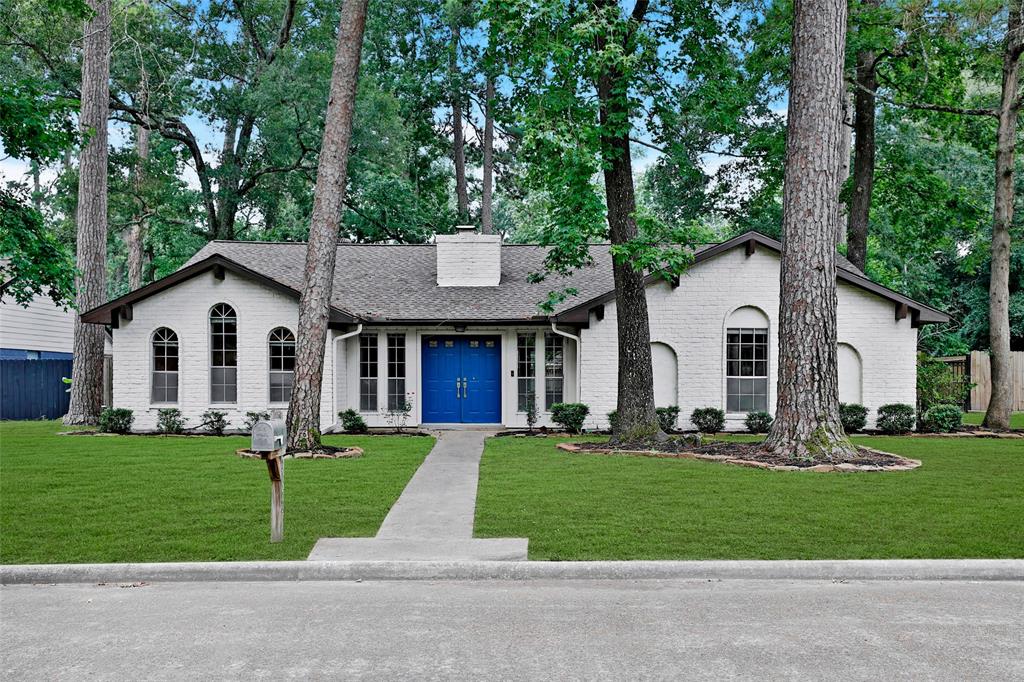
[[468, 259], [691, 319], [185, 308]]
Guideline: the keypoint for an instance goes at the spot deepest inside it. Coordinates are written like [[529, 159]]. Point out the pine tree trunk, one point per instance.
[[863, 160], [845, 146], [137, 231], [37, 189], [486, 210], [637, 419], [91, 247], [807, 414], [997, 415], [321, 252], [458, 135]]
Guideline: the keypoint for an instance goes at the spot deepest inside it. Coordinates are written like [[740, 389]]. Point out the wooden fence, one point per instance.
[[978, 369], [32, 389]]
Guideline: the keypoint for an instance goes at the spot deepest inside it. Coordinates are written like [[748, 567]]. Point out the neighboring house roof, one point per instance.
[[398, 283]]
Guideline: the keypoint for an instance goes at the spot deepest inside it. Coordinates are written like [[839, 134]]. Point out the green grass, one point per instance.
[[965, 501], [1016, 419], [138, 498]]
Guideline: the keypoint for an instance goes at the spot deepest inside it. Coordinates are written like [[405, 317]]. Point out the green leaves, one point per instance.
[[33, 262]]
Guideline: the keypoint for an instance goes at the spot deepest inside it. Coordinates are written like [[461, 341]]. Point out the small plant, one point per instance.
[[398, 412], [708, 419], [116, 420], [613, 420], [252, 417], [942, 419], [531, 411], [853, 416], [215, 421], [895, 418], [758, 422], [667, 417], [169, 420], [570, 416], [938, 384], [352, 422]]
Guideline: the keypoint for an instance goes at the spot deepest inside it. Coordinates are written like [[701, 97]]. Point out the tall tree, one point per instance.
[[91, 244], [457, 12], [589, 79], [1000, 405], [807, 414], [487, 184], [863, 157], [322, 249]]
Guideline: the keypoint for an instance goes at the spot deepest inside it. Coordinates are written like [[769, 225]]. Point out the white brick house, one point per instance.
[[454, 329]]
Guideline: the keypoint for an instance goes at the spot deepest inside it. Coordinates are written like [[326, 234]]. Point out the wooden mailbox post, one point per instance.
[[269, 438]]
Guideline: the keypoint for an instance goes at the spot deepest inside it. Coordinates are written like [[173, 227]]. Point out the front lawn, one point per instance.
[[974, 418], [965, 501], [137, 498]]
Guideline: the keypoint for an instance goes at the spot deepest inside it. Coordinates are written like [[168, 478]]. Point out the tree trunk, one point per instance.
[[37, 189], [137, 230], [997, 415], [486, 211], [845, 145], [807, 414], [458, 135], [91, 247], [637, 419], [863, 158], [321, 252]]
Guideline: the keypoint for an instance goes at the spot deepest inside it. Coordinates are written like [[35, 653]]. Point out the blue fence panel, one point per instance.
[[32, 389]]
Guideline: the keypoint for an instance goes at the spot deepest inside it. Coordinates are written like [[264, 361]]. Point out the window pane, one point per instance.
[[368, 372], [746, 369], [526, 369], [223, 355]]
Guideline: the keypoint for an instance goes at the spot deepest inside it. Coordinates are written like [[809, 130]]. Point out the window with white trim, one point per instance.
[[282, 364], [164, 379], [223, 354], [368, 372], [396, 371], [526, 369], [746, 369], [554, 369]]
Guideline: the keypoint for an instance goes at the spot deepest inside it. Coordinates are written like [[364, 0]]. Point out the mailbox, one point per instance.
[[268, 435]]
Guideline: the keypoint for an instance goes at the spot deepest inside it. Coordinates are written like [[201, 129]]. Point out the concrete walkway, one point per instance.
[[433, 518]]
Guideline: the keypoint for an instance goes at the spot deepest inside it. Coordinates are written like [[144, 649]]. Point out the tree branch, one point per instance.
[[924, 106]]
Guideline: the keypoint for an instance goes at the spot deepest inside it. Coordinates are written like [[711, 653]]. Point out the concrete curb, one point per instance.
[[246, 571]]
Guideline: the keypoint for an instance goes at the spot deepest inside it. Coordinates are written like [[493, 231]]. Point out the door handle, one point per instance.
[[458, 387], [465, 387]]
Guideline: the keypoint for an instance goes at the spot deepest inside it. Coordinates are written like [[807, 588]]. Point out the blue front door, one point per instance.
[[462, 379]]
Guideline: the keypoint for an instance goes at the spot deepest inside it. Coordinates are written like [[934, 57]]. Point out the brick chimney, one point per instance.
[[468, 259]]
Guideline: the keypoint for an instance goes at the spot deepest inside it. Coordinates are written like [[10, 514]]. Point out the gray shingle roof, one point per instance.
[[391, 282], [399, 282]]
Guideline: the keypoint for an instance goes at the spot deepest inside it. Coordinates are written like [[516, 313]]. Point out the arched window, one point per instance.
[[850, 374], [746, 361], [282, 364], [666, 375], [164, 380], [223, 354]]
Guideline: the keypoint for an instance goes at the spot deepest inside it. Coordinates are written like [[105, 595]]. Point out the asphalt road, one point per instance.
[[514, 630]]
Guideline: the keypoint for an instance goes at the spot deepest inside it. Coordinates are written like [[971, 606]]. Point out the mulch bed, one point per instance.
[[749, 455], [326, 452]]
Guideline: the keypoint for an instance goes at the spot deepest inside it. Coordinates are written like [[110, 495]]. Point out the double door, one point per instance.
[[462, 379]]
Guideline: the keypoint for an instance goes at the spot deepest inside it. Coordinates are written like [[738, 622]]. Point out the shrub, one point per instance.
[[942, 418], [613, 420], [853, 416], [214, 421], [667, 417], [895, 418], [708, 419], [252, 417], [352, 421], [758, 422], [937, 384], [531, 411], [169, 420], [116, 420], [398, 413], [569, 416]]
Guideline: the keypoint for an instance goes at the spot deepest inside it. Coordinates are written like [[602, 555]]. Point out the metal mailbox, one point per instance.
[[269, 435]]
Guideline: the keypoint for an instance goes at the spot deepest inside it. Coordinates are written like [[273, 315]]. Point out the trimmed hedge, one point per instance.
[[758, 422], [116, 420], [942, 418], [353, 422], [853, 416], [708, 419], [895, 418], [570, 416], [667, 417]]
